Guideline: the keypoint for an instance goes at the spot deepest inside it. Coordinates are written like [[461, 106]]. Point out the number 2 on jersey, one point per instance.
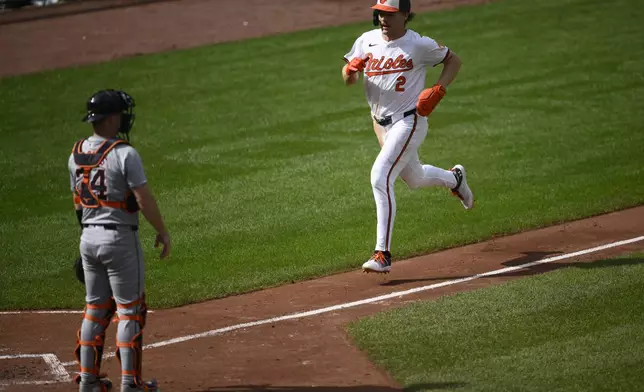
[[401, 82]]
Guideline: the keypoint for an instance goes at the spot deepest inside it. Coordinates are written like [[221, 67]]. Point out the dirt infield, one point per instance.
[[289, 338], [85, 38]]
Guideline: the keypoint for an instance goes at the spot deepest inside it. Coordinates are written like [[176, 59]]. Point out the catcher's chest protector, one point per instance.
[[86, 161]]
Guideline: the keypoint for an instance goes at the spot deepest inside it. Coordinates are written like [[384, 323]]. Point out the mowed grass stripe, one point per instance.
[[575, 329], [260, 157]]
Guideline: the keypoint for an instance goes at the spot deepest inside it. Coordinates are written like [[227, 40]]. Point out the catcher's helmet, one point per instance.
[[106, 102]]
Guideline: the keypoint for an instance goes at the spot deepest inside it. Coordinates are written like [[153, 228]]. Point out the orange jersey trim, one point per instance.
[[444, 58], [393, 71]]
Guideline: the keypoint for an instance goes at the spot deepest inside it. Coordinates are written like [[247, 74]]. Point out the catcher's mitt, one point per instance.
[[78, 270]]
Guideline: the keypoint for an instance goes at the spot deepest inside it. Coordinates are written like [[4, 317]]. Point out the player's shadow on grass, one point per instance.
[[555, 265], [608, 263], [362, 388]]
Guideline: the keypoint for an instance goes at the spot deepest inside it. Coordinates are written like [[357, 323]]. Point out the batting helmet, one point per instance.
[[391, 6], [106, 102]]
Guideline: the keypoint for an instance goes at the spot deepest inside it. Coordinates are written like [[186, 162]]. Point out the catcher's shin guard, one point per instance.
[[131, 367], [96, 319]]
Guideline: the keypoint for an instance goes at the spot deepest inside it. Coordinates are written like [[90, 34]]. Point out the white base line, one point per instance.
[[377, 299], [57, 368]]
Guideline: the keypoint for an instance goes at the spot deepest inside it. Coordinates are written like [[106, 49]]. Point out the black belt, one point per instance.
[[113, 227], [387, 120]]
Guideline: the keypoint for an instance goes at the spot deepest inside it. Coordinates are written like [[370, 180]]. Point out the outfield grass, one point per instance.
[[260, 157], [575, 329]]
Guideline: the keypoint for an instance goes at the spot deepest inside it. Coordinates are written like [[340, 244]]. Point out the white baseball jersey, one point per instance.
[[394, 75], [120, 171]]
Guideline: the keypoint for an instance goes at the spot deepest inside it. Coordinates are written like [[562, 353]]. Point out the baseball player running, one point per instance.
[[394, 61], [109, 187]]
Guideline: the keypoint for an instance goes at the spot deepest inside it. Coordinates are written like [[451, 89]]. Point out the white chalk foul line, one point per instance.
[[396, 294]]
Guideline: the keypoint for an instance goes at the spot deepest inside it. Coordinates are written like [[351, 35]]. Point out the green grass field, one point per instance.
[[260, 157], [575, 329]]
